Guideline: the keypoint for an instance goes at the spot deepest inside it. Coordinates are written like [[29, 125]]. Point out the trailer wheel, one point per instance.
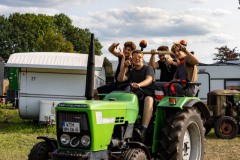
[[226, 127], [183, 136], [39, 152], [135, 154]]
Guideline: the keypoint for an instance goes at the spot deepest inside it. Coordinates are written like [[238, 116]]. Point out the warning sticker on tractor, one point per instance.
[[101, 120], [71, 127]]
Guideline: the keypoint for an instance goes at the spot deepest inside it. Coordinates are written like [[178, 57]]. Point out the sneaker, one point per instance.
[[139, 135], [143, 134]]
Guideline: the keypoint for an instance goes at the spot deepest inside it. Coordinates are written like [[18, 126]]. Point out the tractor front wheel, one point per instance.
[[183, 136], [39, 152], [135, 154], [226, 127]]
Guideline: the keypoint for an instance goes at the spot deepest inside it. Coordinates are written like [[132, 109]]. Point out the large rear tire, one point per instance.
[[135, 154], [183, 136], [39, 152], [226, 127]]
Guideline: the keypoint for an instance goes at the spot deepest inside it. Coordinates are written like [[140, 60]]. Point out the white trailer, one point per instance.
[[218, 76], [47, 78]]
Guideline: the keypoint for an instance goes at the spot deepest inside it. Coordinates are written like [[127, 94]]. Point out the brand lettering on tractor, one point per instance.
[[101, 120], [72, 105]]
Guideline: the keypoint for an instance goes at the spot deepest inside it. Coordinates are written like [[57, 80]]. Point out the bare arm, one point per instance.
[[170, 61], [152, 60], [193, 60], [113, 49], [146, 82], [123, 70]]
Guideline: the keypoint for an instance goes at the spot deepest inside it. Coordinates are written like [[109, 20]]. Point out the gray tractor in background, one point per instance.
[[224, 107]]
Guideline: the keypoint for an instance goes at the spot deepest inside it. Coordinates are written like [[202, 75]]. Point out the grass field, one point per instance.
[[17, 137]]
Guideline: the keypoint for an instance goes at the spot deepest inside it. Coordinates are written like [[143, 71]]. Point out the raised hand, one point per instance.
[[153, 52]]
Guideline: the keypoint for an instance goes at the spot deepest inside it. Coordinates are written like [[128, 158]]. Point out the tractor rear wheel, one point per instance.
[[39, 152], [183, 136], [226, 127], [135, 154]]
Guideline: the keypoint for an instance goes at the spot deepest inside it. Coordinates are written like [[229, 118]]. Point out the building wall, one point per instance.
[[217, 77]]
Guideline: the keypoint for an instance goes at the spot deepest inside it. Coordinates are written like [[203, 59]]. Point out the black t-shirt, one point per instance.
[[138, 76], [118, 69], [167, 71]]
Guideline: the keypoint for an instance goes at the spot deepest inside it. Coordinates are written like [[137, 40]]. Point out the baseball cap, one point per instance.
[[183, 42]]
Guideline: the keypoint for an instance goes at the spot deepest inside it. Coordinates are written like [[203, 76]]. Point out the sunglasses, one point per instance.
[[137, 57], [177, 51]]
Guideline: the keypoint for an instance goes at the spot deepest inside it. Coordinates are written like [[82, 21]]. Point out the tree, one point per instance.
[[226, 54], [4, 38], [80, 38], [53, 42], [27, 33]]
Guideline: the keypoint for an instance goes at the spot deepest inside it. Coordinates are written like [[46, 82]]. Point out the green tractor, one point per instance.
[[104, 129]]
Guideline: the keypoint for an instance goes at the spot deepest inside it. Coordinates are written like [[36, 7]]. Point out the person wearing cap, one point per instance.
[[186, 70], [129, 46], [166, 64], [142, 80], [183, 42]]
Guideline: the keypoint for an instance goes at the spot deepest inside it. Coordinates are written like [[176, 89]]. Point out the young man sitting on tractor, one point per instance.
[[186, 72], [129, 46], [166, 64], [141, 78]]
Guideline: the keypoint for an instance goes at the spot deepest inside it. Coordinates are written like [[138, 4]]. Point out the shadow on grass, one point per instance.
[[22, 127], [11, 122], [211, 135]]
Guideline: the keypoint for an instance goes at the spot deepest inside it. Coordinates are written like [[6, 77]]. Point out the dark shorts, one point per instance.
[[189, 91], [113, 86]]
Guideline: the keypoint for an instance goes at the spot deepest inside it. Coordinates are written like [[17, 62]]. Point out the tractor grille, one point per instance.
[[74, 124]]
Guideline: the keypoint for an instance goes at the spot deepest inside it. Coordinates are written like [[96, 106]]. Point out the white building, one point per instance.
[[218, 76], [51, 77]]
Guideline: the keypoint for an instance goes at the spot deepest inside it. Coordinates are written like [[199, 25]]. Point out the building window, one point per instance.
[[232, 84]]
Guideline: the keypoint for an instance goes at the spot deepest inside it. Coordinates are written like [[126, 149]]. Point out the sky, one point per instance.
[[204, 24]]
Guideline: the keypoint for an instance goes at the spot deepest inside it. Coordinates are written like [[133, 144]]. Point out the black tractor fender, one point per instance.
[[202, 107], [134, 144], [51, 142]]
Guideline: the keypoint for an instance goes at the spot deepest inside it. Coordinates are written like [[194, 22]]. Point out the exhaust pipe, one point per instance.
[[90, 70]]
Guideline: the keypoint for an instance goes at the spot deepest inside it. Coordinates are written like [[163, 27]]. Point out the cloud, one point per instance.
[[221, 38], [197, 1], [5, 10], [43, 3], [145, 21], [214, 12]]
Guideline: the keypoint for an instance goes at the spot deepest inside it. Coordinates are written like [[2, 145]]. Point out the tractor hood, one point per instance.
[[115, 102], [101, 116]]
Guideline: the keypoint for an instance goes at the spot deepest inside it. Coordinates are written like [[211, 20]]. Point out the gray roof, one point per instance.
[[56, 60], [226, 63]]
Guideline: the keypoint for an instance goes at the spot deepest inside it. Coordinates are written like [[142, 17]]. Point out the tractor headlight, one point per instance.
[[85, 140], [65, 139]]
